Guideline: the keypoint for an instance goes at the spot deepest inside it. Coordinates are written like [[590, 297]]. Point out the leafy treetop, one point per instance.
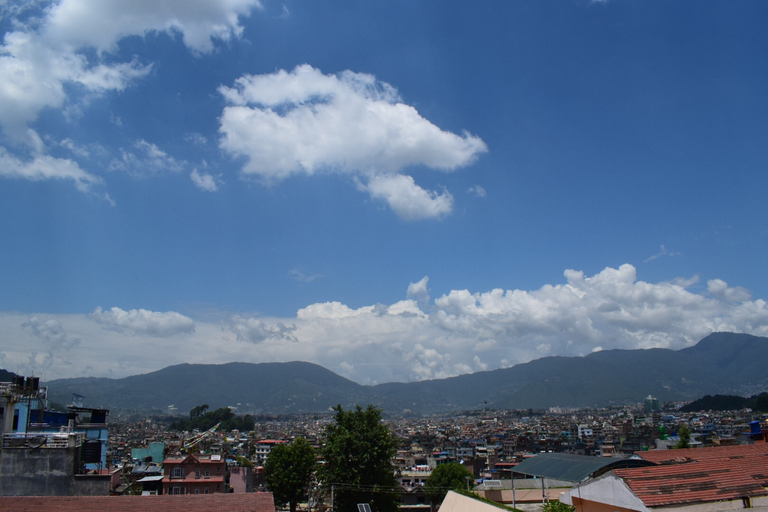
[[358, 452]]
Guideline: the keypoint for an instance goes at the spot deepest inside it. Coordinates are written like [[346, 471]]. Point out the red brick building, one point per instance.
[[195, 475]]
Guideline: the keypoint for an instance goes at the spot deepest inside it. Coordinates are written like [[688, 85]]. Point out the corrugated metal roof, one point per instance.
[[700, 475], [714, 480], [573, 468]]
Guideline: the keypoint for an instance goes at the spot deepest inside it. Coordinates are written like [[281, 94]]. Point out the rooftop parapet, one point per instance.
[[43, 440]]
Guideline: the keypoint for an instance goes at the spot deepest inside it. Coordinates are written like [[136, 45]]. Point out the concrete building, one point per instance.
[[262, 449], [195, 475], [39, 460]]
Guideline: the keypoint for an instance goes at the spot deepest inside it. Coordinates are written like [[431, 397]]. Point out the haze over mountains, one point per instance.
[[722, 363]]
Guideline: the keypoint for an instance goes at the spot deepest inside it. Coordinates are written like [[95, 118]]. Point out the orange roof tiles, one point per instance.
[[245, 502]]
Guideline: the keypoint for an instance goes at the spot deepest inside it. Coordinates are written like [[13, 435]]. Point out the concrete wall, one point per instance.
[[37, 472], [92, 485]]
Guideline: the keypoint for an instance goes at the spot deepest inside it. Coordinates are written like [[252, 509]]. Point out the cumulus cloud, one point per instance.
[[419, 290], [255, 330], [408, 200], [204, 181], [720, 289], [464, 331], [51, 332], [144, 322], [35, 73], [303, 122], [48, 61], [44, 167], [460, 331], [54, 344], [102, 23]]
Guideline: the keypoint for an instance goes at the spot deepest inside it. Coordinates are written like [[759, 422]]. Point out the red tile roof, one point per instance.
[[700, 475], [244, 502]]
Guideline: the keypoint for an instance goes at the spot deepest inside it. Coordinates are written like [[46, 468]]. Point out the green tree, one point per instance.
[[288, 471], [446, 477], [684, 433], [198, 411], [358, 455], [243, 462], [761, 402], [557, 506]]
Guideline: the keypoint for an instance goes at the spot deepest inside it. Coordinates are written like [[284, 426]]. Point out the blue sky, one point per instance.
[[395, 190]]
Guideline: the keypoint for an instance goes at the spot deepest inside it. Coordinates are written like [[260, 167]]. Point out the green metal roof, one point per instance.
[[573, 468]]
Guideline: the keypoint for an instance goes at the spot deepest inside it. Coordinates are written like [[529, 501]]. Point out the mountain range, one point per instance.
[[721, 363]]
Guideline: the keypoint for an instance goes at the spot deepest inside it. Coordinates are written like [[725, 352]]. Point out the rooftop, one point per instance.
[[573, 468], [700, 475], [239, 502]]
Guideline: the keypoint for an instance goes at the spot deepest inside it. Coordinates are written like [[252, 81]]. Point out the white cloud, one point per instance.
[[459, 332], [48, 62], [255, 330], [51, 333], [662, 252], [35, 72], [303, 276], [419, 290], [408, 200], [195, 138], [101, 24], [204, 181], [142, 321], [720, 289], [303, 122], [477, 191], [53, 344], [44, 167], [145, 159]]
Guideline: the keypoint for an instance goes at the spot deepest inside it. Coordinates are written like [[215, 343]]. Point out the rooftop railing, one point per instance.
[[43, 440]]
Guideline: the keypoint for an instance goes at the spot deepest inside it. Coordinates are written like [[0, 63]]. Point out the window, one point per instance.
[[207, 472], [176, 489], [197, 472], [197, 490], [206, 491], [177, 472]]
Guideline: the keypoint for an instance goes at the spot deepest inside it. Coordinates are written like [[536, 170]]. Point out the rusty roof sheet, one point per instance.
[[700, 477]]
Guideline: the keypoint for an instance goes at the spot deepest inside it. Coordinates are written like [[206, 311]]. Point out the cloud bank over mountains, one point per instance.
[[413, 339]]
